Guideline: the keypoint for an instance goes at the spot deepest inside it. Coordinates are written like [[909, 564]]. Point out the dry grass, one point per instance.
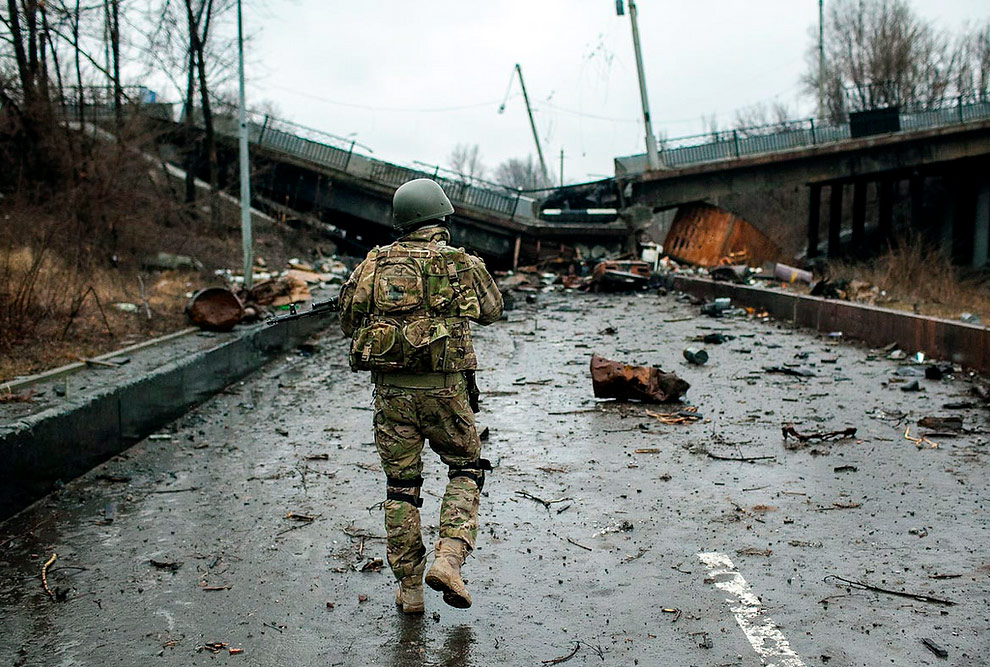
[[917, 276]]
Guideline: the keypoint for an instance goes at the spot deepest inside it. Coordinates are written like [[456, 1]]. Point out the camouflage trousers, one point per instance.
[[404, 418]]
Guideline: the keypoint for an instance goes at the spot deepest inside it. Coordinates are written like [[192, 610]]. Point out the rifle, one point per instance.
[[474, 394], [321, 308]]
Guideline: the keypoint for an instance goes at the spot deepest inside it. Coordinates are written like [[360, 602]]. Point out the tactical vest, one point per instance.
[[417, 313]]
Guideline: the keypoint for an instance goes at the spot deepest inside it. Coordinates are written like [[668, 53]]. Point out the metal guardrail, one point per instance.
[[732, 144], [329, 151]]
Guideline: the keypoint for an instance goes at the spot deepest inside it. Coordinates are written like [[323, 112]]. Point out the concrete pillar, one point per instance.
[[814, 217], [917, 191], [885, 208], [981, 231], [835, 220], [859, 215]]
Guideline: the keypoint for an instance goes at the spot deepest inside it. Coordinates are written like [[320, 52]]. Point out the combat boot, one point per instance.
[[445, 573], [409, 594]]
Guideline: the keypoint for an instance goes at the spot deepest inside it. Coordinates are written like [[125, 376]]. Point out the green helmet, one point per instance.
[[418, 201]]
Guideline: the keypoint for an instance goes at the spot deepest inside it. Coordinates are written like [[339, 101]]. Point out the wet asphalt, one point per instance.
[[253, 520]]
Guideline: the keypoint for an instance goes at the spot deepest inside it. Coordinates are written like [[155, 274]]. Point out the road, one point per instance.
[[739, 552]]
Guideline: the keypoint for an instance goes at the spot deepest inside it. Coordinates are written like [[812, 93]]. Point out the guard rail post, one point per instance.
[[350, 152], [735, 141], [264, 126], [960, 107]]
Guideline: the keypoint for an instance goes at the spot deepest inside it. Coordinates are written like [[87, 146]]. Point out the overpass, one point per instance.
[[943, 152], [313, 172]]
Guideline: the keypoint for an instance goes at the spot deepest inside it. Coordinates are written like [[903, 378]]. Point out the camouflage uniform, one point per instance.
[[407, 308]]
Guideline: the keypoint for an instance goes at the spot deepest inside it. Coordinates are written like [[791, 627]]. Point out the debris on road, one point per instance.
[[10, 397], [863, 586], [696, 355], [795, 371], [788, 431], [170, 565], [373, 565], [613, 379], [717, 307], [952, 423], [913, 385], [934, 648], [44, 575], [214, 647], [563, 658], [545, 503], [627, 274], [688, 415], [920, 442]]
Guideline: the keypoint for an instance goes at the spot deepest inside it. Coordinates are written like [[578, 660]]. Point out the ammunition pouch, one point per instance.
[[411, 498], [474, 470], [419, 345]]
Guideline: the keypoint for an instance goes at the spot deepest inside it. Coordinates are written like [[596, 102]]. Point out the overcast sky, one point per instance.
[[413, 79]]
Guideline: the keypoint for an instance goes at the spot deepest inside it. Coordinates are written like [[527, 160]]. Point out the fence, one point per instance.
[[729, 144]]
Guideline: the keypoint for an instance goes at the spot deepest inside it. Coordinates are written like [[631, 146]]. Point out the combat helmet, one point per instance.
[[418, 201]]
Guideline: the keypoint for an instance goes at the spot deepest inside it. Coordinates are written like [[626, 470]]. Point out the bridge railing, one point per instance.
[[730, 144], [339, 153]]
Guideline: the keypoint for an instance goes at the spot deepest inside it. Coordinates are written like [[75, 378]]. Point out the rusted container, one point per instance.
[[215, 308], [705, 235]]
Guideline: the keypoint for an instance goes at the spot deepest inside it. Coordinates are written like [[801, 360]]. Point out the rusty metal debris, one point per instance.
[[613, 379], [705, 235], [215, 309], [789, 431]]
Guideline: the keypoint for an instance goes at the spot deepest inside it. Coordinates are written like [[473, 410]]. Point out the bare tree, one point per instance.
[[466, 160], [522, 174], [880, 53], [760, 114]]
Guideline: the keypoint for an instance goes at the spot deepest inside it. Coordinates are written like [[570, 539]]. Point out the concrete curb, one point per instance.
[[965, 344], [64, 442]]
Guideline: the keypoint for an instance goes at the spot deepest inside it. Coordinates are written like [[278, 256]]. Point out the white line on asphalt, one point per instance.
[[766, 638]]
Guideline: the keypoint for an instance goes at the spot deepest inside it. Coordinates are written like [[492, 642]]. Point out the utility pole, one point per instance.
[[246, 241], [532, 125], [652, 156], [561, 167], [821, 59]]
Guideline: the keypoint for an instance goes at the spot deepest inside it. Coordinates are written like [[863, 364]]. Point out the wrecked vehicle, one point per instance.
[[627, 274]]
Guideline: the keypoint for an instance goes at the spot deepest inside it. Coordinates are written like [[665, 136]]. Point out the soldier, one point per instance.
[[407, 309]]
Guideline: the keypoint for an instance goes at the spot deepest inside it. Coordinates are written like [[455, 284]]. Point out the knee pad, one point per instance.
[[412, 497], [474, 470]]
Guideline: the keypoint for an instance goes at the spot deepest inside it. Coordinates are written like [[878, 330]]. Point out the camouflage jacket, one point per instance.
[[407, 306]]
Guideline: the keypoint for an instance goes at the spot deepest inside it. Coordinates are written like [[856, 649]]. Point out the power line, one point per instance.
[[368, 107]]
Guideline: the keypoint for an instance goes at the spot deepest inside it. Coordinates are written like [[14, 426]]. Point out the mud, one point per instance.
[[597, 568]]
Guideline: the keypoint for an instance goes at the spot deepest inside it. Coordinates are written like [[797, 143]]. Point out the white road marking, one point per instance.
[[764, 635]]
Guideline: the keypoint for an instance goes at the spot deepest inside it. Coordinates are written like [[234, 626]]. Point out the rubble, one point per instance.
[[613, 379]]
